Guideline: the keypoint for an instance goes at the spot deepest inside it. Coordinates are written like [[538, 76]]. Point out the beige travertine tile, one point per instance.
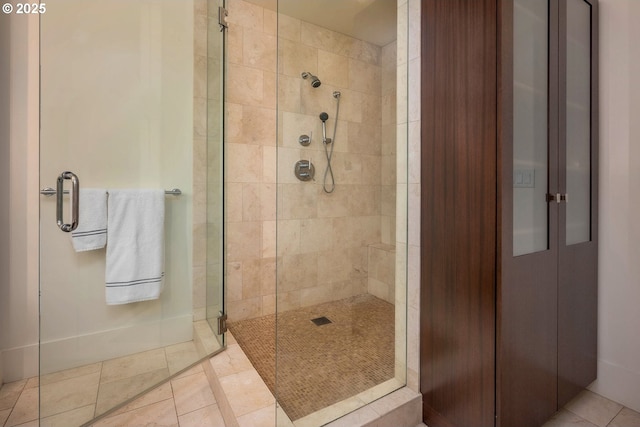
[[259, 50], [288, 27], [179, 356], [4, 414], [264, 417], [74, 417], [364, 77], [244, 163], [235, 36], [333, 68], [192, 393], [69, 394], [246, 392], [245, 14], [244, 240], [209, 416], [25, 409], [161, 414], [245, 85], [70, 373], [135, 364], [258, 126], [626, 418], [231, 361], [115, 392], [156, 395], [295, 58], [594, 408], [10, 392], [565, 418]]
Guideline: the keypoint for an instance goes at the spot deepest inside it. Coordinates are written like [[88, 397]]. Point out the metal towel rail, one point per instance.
[[52, 191]]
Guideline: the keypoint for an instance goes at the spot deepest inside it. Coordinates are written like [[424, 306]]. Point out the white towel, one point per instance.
[[92, 229], [135, 246]]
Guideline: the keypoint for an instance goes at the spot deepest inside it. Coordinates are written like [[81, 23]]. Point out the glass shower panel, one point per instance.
[[337, 297], [123, 99], [530, 136], [215, 66], [578, 125]]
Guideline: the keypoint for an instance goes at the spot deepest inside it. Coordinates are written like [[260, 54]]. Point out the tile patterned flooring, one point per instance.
[[186, 401], [320, 365]]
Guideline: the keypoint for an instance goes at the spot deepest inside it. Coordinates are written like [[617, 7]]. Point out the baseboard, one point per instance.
[[19, 363], [85, 349], [618, 383]]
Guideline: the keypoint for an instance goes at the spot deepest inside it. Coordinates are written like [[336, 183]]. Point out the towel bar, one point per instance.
[[52, 191]]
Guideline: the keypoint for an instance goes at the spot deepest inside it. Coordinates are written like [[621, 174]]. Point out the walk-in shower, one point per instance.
[[314, 269], [324, 326]]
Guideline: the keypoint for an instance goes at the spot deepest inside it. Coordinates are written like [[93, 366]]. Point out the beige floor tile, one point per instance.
[[567, 419], [594, 408], [209, 416], [194, 370], [26, 408], [192, 393], [231, 361], [133, 365], [33, 382], [113, 393], [156, 395], [70, 373], [10, 392], [179, 356], [4, 414], [246, 392], [626, 418], [34, 423], [265, 417], [75, 417], [65, 395], [161, 414]]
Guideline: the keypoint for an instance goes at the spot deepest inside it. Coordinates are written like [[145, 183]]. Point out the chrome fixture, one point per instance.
[[315, 81], [48, 191], [304, 170], [305, 140]]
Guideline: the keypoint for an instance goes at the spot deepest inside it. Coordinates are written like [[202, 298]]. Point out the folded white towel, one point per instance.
[[135, 246], [92, 229]]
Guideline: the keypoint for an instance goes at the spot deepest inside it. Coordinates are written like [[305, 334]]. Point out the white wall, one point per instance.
[[19, 285], [619, 263], [139, 131], [4, 167]]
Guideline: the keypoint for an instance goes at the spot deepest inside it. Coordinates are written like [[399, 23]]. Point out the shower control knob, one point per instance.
[[304, 170], [304, 140]]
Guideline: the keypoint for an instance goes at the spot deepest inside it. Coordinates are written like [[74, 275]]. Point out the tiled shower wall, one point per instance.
[[322, 238]]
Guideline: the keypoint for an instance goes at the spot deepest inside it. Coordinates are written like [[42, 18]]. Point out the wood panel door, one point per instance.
[[458, 212], [578, 215]]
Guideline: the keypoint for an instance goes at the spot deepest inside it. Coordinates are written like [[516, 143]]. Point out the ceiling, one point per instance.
[[370, 20]]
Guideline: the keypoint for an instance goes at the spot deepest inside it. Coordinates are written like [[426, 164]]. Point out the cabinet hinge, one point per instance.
[[222, 323]]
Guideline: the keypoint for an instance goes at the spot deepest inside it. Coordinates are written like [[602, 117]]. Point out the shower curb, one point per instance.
[[221, 398]]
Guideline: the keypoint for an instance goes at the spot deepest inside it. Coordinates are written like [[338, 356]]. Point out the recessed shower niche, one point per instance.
[[332, 245]]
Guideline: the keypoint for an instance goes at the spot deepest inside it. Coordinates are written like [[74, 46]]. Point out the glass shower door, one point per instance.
[[122, 94]]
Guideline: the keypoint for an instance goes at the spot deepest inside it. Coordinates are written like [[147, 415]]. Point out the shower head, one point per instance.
[[315, 81], [324, 116]]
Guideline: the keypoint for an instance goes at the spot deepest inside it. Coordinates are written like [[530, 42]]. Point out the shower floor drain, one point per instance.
[[319, 321]]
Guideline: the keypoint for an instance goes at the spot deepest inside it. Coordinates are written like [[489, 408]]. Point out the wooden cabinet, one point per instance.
[[509, 209]]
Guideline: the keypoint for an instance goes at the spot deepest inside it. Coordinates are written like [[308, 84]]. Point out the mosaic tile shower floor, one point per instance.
[[321, 365]]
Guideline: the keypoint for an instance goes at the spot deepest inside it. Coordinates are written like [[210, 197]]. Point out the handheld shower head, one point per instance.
[[324, 117], [315, 81]]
